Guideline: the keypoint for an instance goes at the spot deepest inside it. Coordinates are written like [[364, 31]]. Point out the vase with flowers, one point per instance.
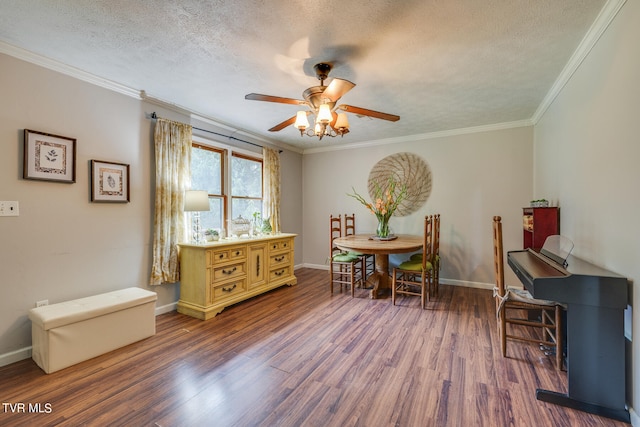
[[385, 202]]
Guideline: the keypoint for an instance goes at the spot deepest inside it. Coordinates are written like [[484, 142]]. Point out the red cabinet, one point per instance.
[[538, 224]]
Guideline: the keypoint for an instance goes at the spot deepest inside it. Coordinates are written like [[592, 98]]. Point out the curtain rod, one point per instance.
[[154, 116]]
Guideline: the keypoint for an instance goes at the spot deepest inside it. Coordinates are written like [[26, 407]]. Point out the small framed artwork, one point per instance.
[[49, 157], [109, 182]]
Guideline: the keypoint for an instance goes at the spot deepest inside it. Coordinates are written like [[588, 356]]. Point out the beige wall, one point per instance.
[[62, 246], [475, 176], [587, 155]]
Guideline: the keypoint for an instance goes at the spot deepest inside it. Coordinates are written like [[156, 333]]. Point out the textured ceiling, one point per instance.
[[440, 65]]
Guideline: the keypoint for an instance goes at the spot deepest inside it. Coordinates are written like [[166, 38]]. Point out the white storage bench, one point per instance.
[[70, 332]]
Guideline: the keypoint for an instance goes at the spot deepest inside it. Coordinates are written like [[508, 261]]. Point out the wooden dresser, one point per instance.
[[219, 274]]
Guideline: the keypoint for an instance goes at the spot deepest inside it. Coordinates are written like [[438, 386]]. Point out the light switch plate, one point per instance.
[[9, 208]]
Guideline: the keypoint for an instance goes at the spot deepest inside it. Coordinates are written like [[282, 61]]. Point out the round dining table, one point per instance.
[[368, 244]]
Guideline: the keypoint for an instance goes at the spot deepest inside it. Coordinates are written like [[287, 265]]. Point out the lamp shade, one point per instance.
[[324, 114], [196, 201], [301, 120], [342, 122]]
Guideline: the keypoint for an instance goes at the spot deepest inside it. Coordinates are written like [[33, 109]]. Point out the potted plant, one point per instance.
[[212, 235], [384, 204]]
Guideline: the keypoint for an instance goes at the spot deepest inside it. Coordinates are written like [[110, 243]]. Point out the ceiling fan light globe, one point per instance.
[[301, 121], [324, 114], [342, 122]]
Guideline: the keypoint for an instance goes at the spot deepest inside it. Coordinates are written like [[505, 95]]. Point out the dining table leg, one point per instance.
[[380, 278]]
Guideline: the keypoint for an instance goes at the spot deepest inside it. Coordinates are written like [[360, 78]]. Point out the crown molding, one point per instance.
[[602, 22], [59, 67], [423, 136]]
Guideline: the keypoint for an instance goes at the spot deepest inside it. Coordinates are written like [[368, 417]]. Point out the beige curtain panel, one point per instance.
[[271, 200], [173, 178]]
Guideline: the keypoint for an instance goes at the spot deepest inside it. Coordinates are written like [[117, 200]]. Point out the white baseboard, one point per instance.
[[166, 308], [635, 419], [15, 356], [467, 284], [452, 282], [316, 266]]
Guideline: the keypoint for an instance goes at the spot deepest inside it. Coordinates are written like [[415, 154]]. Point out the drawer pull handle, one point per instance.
[[274, 246], [229, 289], [230, 271], [280, 273], [221, 256], [278, 259], [237, 252]]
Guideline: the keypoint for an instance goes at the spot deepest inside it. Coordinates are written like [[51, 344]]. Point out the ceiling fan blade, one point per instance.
[[283, 125], [334, 119], [337, 88], [370, 113], [269, 98]]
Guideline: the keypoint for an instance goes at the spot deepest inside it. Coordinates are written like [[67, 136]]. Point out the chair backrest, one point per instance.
[[349, 224], [335, 223], [436, 237], [498, 256], [427, 242]]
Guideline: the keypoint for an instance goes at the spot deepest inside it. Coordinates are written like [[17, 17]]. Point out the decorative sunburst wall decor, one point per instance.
[[406, 169]]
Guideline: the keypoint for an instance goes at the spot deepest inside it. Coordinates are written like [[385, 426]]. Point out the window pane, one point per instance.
[[246, 177], [245, 207], [213, 218], [206, 170]]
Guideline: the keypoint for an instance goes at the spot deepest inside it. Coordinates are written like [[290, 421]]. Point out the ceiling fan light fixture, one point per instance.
[[342, 123], [322, 102], [302, 123], [324, 114]]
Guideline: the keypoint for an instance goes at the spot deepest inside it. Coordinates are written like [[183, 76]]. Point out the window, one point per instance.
[[246, 186], [208, 172]]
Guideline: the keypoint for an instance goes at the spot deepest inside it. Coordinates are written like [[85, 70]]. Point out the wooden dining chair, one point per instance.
[[516, 308], [413, 277], [368, 260], [435, 256], [345, 269]]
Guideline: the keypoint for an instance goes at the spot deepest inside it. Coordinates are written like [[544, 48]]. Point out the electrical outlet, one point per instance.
[[9, 208], [42, 303]]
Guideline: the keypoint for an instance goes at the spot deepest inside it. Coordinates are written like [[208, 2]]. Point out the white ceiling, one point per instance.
[[438, 64]]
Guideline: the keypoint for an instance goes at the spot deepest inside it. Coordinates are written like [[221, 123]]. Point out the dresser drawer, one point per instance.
[[280, 259], [229, 271], [279, 273], [228, 290], [221, 256], [280, 245]]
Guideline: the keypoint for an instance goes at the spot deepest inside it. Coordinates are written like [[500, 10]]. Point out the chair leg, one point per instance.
[[436, 279], [502, 325], [353, 280], [393, 289], [425, 288], [331, 278], [559, 339]]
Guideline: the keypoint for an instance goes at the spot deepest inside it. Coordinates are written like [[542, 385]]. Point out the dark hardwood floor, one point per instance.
[[298, 356]]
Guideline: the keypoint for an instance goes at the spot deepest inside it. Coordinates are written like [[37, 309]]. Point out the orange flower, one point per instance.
[[386, 199]]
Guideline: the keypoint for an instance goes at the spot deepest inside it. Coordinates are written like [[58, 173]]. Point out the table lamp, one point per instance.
[[196, 201]]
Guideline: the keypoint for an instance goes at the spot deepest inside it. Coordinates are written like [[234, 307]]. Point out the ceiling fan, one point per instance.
[[321, 101]]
